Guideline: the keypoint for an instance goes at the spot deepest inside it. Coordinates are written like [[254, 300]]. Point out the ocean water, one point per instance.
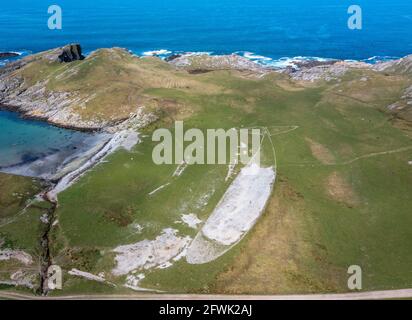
[[25, 141], [263, 28]]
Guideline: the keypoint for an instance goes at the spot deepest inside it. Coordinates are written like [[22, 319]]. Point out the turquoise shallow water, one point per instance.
[[23, 141]]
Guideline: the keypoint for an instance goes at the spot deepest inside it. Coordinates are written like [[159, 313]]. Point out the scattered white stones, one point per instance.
[[137, 228], [230, 171], [19, 255], [180, 169], [132, 282], [21, 278], [44, 218], [191, 220], [204, 199], [216, 62], [148, 254], [86, 275], [165, 265], [158, 189]]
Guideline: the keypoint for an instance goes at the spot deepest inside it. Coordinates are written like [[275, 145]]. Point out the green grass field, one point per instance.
[[343, 194]]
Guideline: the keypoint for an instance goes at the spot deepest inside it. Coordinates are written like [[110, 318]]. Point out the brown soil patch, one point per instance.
[[120, 216], [340, 190], [320, 152]]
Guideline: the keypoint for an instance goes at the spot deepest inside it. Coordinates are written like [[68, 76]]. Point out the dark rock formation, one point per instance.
[[4, 55], [172, 57], [198, 71], [72, 52], [314, 63]]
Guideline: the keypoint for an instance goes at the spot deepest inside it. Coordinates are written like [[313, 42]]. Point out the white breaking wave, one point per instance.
[[280, 63], [160, 52], [378, 59], [20, 53], [199, 53], [253, 56]]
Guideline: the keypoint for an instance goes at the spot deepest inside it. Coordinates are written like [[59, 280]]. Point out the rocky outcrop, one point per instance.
[[71, 52], [172, 57], [33, 87], [402, 109], [300, 70], [5, 55], [314, 63], [324, 71], [204, 63], [400, 66], [38, 103]]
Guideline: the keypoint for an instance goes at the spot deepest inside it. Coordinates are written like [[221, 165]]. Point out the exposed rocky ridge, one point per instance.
[[314, 63], [36, 102], [403, 108], [302, 70], [198, 63], [400, 66], [324, 71], [310, 70]]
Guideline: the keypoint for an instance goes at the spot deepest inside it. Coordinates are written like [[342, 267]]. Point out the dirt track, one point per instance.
[[372, 295]]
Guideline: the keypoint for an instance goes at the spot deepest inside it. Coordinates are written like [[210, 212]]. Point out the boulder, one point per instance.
[[173, 57], [4, 55], [71, 52]]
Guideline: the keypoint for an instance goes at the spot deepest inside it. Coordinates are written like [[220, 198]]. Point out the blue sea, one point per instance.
[[267, 28], [267, 31]]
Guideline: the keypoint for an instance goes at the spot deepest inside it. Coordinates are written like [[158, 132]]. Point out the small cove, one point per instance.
[[38, 149]]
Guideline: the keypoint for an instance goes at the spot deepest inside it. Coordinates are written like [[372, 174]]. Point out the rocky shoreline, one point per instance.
[[35, 99], [24, 115]]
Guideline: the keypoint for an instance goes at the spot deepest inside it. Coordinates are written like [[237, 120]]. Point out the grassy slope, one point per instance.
[[20, 228], [371, 231], [109, 84], [330, 208]]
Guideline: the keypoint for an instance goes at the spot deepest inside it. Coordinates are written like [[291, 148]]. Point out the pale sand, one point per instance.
[[124, 139]]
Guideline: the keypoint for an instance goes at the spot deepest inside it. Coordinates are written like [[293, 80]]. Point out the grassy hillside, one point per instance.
[[342, 197], [108, 85]]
